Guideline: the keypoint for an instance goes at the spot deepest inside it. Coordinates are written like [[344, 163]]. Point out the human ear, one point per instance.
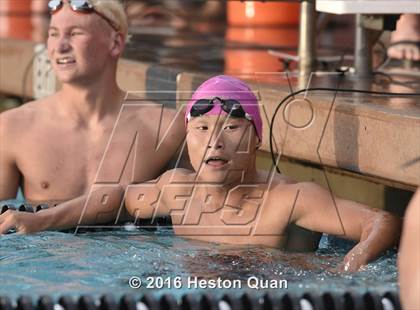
[[117, 45]]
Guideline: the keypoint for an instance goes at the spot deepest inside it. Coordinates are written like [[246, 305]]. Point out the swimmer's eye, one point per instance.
[[231, 127], [75, 33], [53, 34], [202, 127]]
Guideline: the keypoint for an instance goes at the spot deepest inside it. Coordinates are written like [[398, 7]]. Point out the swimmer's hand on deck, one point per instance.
[[21, 222]]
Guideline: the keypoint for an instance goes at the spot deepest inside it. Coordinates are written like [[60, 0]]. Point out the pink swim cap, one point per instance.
[[227, 87]]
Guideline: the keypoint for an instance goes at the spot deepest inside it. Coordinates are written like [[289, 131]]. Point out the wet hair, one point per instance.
[[114, 11]]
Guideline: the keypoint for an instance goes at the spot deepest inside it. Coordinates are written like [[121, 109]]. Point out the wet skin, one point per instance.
[[58, 157], [226, 195], [53, 147]]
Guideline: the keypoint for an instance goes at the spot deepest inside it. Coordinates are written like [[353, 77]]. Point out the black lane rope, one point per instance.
[[201, 301], [343, 90]]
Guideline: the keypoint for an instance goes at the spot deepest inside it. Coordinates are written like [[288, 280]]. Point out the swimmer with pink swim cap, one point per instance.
[[224, 130], [225, 95], [226, 199]]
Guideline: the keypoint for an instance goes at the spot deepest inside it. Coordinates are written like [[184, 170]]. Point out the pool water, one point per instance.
[[95, 263]]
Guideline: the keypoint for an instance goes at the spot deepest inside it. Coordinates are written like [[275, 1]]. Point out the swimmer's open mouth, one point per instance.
[[65, 60], [216, 161]]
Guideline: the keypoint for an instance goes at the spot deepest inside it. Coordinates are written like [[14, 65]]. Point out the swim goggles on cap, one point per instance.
[[82, 6], [230, 106]]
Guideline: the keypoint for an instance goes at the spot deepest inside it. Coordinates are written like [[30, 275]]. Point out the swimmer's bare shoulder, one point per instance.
[[284, 192], [288, 201], [153, 198], [18, 123], [19, 131], [272, 184], [155, 119], [277, 203], [153, 114]]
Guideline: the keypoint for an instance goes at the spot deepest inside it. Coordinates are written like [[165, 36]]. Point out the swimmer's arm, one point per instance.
[[9, 172], [98, 207], [159, 197], [144, 200], [376, 230]]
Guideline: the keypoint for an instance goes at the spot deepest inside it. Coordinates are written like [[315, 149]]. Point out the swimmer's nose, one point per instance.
[[63, 44], [216, 147], [216, 142]]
